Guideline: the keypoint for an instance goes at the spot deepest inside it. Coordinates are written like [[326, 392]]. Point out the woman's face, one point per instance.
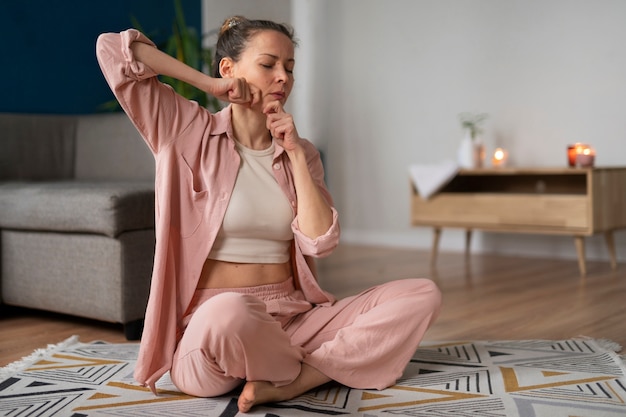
[[267, 63]]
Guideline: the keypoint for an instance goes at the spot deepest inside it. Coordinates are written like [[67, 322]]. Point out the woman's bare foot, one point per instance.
[[257, 392], [261, 392]]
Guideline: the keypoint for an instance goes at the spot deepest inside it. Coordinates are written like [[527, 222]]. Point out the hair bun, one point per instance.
[[231, 22]]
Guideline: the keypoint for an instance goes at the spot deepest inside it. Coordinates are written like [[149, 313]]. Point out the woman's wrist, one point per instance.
[[206, 83], [296, 155]]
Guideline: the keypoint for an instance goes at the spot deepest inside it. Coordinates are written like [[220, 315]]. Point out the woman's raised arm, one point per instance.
[[234, 90]]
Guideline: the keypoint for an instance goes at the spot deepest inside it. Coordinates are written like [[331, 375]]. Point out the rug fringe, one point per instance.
[[25, 362], [607, 344]]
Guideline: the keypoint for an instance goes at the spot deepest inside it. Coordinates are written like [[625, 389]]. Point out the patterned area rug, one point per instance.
[[577, 377]]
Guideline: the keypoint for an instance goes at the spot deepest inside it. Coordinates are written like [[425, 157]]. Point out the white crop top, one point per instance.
[[257, 223]]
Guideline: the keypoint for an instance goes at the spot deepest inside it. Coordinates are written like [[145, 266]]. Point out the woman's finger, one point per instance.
[[273, 107]]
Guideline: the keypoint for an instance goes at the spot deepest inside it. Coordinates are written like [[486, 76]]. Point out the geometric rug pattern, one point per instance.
[[534, 378]]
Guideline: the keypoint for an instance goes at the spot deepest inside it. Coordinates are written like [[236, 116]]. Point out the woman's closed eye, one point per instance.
[[270, 66]]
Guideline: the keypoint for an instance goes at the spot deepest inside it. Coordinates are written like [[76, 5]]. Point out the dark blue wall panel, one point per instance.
[[48, 62]]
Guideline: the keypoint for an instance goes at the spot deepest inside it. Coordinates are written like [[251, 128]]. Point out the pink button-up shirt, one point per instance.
[[196, 169]]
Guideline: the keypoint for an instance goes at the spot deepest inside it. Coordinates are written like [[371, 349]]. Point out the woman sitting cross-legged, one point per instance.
[[241, 212]]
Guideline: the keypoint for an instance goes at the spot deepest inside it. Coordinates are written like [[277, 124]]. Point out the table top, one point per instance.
[[534, 170]]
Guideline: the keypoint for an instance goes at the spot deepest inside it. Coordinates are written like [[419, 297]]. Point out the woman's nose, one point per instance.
[[281, 74]]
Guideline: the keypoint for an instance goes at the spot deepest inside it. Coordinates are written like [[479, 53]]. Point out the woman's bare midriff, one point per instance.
[[221, 274]]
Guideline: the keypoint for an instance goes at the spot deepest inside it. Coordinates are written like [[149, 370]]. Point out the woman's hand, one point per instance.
[[234, 90], [281, 126]]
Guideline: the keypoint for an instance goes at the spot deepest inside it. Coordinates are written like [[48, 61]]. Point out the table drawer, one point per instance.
[[557, 213]]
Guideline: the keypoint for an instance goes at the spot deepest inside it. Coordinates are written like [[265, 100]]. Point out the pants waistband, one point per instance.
[[271, 294], [264, 292]]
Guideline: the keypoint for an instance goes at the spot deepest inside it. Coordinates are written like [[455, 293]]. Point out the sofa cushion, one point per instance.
[[107, 208]]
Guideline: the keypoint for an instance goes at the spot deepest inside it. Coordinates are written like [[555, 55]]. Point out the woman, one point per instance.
[[241, 211]]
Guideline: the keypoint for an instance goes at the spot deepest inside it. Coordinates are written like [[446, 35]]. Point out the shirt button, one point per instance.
[[276, 166]]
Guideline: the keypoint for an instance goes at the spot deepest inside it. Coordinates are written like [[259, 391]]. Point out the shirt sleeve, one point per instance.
[[156, 110], [322, 245]]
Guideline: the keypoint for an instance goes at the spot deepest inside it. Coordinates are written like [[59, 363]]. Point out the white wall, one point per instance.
[[390, 78], [548, 73]]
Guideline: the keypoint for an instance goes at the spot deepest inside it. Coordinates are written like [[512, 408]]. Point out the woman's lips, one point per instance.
[[278, 95]]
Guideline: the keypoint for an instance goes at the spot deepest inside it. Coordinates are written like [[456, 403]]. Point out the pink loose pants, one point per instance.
[[265, 333]]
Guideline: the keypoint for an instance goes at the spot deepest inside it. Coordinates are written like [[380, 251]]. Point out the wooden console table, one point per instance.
[[559, 201]]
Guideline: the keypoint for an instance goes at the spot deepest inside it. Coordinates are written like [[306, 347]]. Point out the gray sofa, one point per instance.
[[76, 216]]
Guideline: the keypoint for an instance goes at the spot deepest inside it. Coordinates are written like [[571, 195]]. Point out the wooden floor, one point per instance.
[[485, 297]]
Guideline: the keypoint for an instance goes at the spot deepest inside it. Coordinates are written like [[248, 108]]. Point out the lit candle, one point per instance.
[[571, 155], [573, 150], [586, 157], [499, 157]]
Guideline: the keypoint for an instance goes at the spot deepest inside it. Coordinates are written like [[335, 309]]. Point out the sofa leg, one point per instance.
[[133, 329]]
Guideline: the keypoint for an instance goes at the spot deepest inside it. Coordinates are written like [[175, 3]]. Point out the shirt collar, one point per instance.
[[222, 122], [277, 149]]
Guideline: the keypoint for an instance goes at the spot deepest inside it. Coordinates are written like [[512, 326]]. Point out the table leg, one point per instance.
[[610, 244], [468, 241], [579, 241], [435, 249]]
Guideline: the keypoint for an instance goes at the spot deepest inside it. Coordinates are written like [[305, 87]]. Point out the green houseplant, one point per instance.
[[471, 123], [185, 44]]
